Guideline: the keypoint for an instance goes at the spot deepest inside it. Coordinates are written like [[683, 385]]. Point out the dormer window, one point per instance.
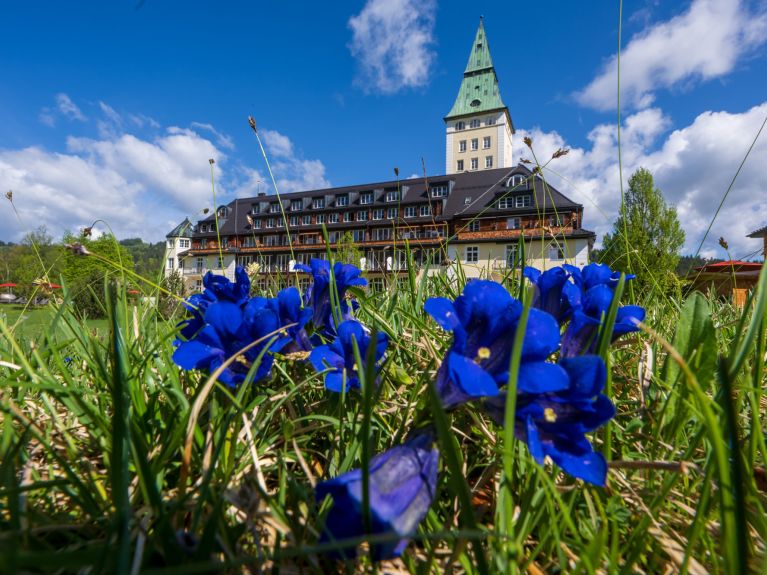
[[296, 205], [342, 200], [255, 209], [505, 203], [515, 181], [318, 203], [274, 208], [439, 191], [392, 196], [467, 200], [523, 201], [222, 212], [366, 198]]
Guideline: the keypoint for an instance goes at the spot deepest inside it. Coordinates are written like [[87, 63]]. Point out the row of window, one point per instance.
[[475, 144], [516, 223], [515, 202], [471, 254], [334, 218], [182, 243], [475, 123], [474, 163]]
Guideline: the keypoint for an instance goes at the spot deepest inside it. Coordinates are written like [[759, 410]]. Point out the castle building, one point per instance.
[[482, 216]]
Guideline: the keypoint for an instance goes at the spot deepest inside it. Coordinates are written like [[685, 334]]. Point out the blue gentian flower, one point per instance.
[[287, 307], [484, 320], [593, 275], [224, 321], [339, 356], [403, 482], [554, 424], [222, 289], [554, 294], [318, 294], [217, 287], [581, 334]]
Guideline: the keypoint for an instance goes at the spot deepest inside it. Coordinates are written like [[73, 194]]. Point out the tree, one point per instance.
[[85, 275], [646, 236], [347, 251]]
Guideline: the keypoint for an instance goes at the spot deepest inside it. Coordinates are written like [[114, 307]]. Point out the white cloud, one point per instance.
[[291, 171], [68, 108], [693, 166], [277, 144], [140, 186], [222, 139], [392, 41], [702, 43]]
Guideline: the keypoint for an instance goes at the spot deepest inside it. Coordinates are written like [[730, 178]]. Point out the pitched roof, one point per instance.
[[184, 229], [479, 90], [760, 233], [471, 194], [478, 193]]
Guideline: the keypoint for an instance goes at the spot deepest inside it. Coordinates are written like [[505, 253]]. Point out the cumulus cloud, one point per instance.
[[392, 41], [142, 186], [692, 165], [703, 43], [292, 172]]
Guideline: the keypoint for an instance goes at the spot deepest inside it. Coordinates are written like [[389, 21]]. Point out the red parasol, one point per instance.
[[133, 291], [9, 284]]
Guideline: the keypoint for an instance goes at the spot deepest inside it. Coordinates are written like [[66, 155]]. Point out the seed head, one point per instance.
[[78, 249], [211, 161], [724, 244], [396, 172], [528, 142], [252, 122], [87, 232], [559, 153]]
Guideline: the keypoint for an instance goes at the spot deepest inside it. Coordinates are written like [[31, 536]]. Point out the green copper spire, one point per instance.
[[479, 89]]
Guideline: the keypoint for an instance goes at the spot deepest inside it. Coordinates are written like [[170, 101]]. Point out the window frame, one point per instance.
[[471, 254]]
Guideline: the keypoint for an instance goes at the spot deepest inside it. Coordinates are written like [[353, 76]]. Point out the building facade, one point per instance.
[[483, 216]]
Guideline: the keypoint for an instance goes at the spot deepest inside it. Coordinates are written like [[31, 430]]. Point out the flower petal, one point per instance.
[[470, 377], [541, 377]]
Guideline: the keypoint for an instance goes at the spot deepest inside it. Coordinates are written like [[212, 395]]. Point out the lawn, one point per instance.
[[31, 322]]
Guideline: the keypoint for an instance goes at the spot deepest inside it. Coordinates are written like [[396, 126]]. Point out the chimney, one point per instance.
[[261, 194]]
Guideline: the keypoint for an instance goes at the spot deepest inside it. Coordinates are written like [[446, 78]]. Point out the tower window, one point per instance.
[[490, 121], [475, 123], [486, 142], [474, 104], [474, 163], [459, 165], [474, 144], [462, 146], [460, 126], [488, 161]]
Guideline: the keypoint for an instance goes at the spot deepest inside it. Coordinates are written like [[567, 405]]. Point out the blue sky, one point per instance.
[[111, 109]]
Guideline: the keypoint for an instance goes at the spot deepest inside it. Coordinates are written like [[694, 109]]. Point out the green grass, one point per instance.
[[32, 322], [93, 476]]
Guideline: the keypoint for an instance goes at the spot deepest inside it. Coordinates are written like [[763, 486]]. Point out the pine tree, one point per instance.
[[646, 236]]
